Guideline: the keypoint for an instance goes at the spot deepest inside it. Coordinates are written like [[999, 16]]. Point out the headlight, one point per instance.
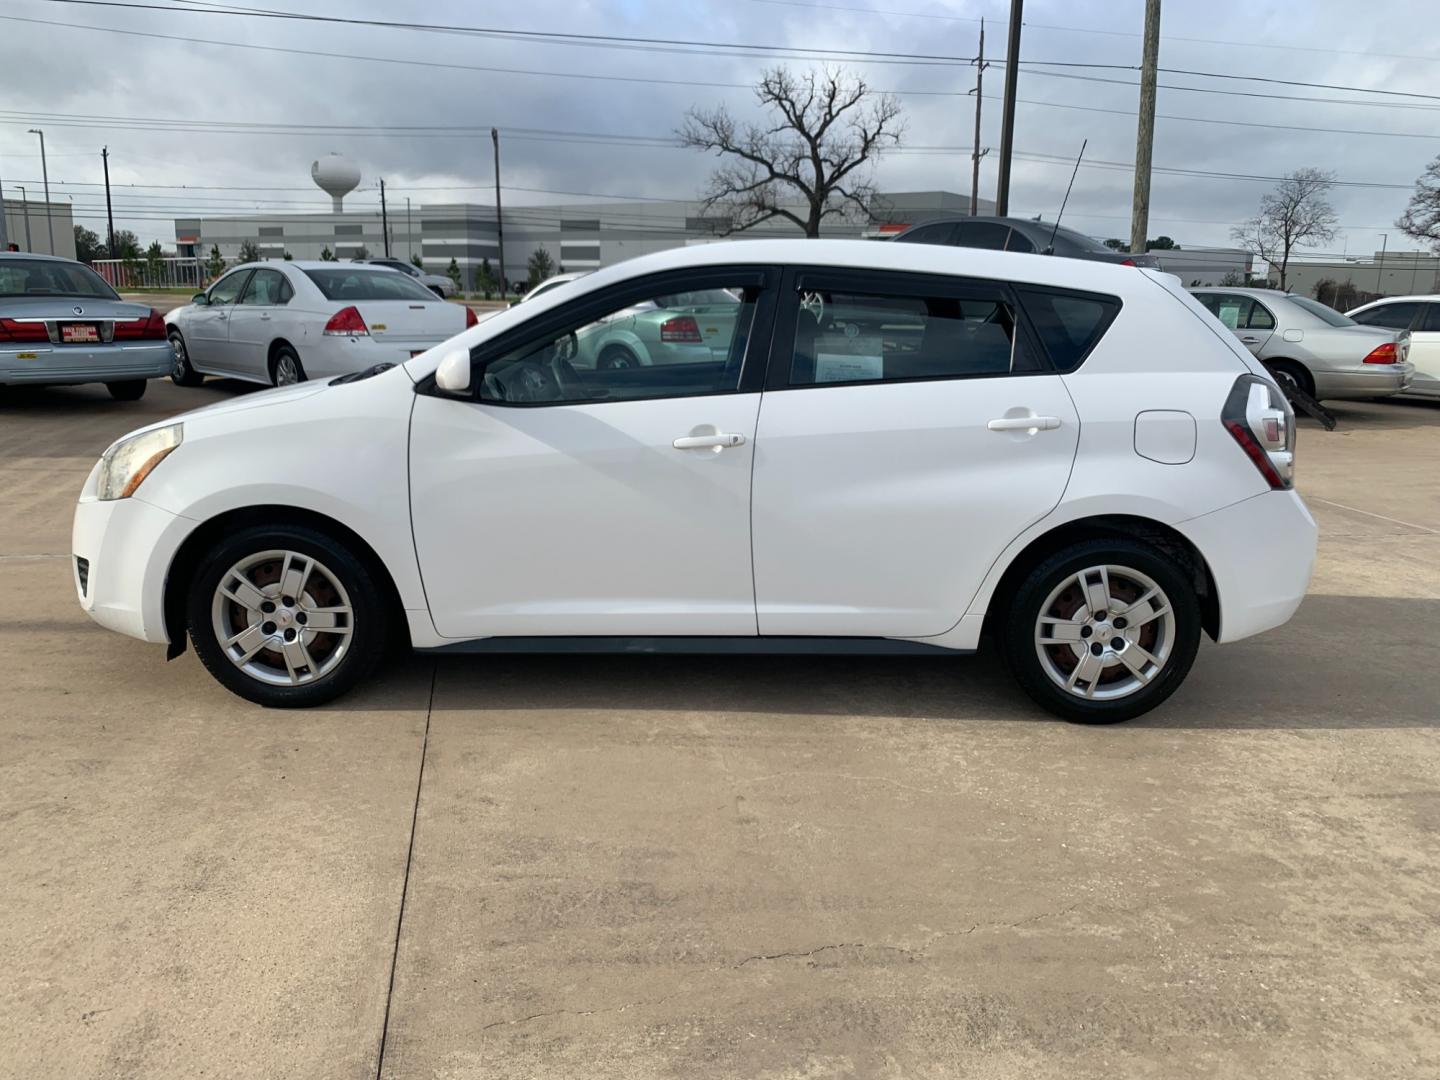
[[126, 464]]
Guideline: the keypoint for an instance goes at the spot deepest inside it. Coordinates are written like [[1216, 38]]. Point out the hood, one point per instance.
[[258, 400]]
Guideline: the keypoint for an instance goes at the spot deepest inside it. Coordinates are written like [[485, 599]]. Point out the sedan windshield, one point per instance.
[[44, 277], [354, 283], [1327, 315]]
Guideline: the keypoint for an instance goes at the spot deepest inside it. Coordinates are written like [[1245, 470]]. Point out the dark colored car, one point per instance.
[[1018, 234]]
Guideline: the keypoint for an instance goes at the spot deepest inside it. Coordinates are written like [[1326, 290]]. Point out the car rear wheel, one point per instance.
[[1293, 373], [129, 390], [183, 374], [285, 616], [616, 356], [285, 368], [1103, 631]]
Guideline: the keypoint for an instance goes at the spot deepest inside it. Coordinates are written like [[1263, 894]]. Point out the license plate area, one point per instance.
[[79, 334]]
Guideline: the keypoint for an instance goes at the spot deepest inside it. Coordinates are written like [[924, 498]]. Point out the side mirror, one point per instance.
[[200, 298], [453, 374]]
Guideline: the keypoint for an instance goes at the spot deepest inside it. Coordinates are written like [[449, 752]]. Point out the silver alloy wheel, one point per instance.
[[287, 372], [182, 358], [1105, 632], [282, 617]]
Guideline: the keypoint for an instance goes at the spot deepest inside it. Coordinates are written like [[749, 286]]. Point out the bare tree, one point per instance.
[[1422, 217], [1296, 214], [810, 163]]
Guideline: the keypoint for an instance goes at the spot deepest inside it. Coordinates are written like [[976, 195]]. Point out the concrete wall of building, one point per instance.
[[1398, 273], [577, 236], [16, 213], [1205, 266]]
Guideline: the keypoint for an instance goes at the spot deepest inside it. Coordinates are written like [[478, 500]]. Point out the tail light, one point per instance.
[[150, 328], [15, 330], [471, 319], [681, 330], [1128, 262], [1259, 418], [1383, 354], [347, 323]]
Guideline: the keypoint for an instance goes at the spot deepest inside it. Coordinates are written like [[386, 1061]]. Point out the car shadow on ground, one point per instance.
[[1341, 663]]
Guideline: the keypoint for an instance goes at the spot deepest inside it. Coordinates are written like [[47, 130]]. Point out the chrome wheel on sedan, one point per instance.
[[287, 369], [282, 617], [1105, 633]]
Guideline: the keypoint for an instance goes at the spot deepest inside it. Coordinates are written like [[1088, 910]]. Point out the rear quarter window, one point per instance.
[[1069, 324]]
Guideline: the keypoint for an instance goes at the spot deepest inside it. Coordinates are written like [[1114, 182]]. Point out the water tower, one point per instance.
[[337, 176]]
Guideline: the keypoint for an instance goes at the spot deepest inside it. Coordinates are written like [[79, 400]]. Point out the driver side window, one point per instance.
[[227, 288], [680, 344]]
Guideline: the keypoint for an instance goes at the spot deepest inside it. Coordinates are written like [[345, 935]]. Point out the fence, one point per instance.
[[172, 272]]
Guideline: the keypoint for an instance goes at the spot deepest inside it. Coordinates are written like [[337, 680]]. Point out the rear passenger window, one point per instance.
[[929, 234], [1390, 316], [848, 337], [1069, 324], [1260, 317], [1430, 321]]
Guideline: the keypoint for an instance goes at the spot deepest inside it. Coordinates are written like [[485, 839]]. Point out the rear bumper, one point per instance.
[[1260, 553], [128, 546], [1374, 380], [57, 365]]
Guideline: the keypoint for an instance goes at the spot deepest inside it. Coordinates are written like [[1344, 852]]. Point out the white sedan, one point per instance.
[[891, 449], [284, 322]]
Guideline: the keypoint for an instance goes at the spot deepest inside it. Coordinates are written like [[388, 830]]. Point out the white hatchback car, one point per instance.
[[899, 448], [284, 322]]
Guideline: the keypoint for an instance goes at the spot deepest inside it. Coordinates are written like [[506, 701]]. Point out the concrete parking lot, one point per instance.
[[694, 867]]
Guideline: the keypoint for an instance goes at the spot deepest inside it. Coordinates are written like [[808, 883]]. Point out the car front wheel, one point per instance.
[[183, 374], [1103, 631], [285, 616]]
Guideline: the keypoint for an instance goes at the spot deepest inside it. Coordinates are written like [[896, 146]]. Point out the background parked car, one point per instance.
[[550, 283], [1314, 347], [61, 323], [689, 326], [1417, 318], [1018, 234], [284, 322], [439, 284]]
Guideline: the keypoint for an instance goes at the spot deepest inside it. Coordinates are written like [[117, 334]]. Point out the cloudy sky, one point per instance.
[[210, 112]]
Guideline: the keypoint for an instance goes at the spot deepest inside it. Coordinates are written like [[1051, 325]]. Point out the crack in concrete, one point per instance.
[[823, 948], [576, 1012]]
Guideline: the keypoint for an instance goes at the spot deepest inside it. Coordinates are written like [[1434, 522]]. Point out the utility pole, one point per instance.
[[409, 232], [384, 220], [25, 209], [1380, 270], [1007, 114], [109, 214], [45, 175], [1145, 136], [4, 236], [499, 224], [976, 153]]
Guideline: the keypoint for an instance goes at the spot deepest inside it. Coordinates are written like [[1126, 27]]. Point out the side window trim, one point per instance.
[[898, 283], [538, 331]]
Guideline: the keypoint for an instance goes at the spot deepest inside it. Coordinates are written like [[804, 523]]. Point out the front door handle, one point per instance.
[[709, 442], [1024, 423], [264, 314]]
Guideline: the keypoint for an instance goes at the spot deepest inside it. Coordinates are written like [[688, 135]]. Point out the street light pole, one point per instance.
[[409, 232], [1007, 108], [109, 213], [499, 224], [45, 175], [1380, 270], [384, 220], [4, 236]]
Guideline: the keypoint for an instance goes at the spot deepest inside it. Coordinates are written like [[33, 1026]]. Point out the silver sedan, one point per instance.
[[60, 323], [1310, 345]]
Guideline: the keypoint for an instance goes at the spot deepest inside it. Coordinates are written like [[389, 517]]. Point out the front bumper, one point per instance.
[[68, 364], [128, 545], [1261, 553], [1369, 381]]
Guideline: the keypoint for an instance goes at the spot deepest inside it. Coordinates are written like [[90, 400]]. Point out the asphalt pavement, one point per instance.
[[726, 867]]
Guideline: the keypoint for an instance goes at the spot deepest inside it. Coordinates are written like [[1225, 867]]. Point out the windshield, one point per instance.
[[355, 283], [1327, 315], [42, 277]]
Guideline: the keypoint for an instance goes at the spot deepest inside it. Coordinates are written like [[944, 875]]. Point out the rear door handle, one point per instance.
[[1024, 423], [706, 442], [1250, 340], [264, 314]]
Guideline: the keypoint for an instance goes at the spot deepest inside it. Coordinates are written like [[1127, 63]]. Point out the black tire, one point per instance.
[[1295, 373], [614, 357], [1023, 653], [364, 646], [183, 374], [282, 354], [129, 390]]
